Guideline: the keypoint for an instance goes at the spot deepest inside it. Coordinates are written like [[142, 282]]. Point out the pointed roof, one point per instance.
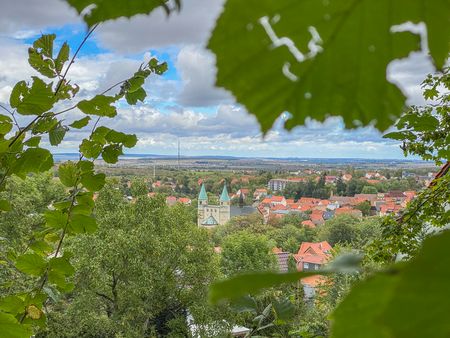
[[203, 196], [210, 221], [224, 196]]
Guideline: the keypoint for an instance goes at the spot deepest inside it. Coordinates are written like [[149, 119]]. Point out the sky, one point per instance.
[[183, 104]]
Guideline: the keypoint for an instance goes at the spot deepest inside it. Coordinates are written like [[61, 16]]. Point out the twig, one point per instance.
[[12, 115], [74, 56]]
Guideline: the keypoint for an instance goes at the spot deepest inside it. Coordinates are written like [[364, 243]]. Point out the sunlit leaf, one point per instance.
[[134, 97], [68, 173], [33, 141], [31, 264], [100, 105], [34, 160], [62, 57], [111, 153], [93, 182], [80, 223], [32, 100], [5, 124], [80, 123], [11, 328]]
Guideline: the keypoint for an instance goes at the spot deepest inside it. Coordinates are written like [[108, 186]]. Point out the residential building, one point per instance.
[[311, 256]]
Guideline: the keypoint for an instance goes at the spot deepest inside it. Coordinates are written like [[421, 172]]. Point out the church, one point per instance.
[[209, 215]]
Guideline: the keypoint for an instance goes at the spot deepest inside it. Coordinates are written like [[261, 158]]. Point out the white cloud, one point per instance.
[[198, 72], [20, 18], [190, 26]]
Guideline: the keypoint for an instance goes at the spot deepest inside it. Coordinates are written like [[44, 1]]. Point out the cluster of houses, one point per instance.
[[320, 210]]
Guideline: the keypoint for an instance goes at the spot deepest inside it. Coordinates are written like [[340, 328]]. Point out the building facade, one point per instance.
[[210, 215]]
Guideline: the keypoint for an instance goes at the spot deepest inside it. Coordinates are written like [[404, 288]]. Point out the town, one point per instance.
[[294, 210]]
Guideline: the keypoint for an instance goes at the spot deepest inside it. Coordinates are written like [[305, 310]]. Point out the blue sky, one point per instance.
[[183, 104]]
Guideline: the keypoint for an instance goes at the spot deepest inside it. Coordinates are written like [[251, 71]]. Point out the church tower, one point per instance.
[[225, 209], [202, 204]]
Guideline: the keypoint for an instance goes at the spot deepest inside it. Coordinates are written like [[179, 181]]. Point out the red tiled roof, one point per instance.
[[308, 200], [278, 207], [308, 223], [184, 200], [314, 280], [277, 198], [306, 207]]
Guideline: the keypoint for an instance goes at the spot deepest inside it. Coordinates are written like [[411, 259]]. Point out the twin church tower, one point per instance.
[[209, 215]]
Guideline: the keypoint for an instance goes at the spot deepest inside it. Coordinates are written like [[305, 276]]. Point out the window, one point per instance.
[[305, 265], [316, 266]]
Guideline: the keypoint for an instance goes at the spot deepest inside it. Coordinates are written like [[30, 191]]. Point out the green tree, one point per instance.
[[364, 207], [369, 189], [245, 252], [341, 229], [151, 267]]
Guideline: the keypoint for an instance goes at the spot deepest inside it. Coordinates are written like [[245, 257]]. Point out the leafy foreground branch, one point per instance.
[[44, 264]]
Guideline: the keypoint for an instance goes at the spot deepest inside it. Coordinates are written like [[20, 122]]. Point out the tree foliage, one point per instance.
[[44, 265]]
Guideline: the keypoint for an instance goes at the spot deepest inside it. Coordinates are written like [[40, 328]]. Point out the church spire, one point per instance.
[[203, 196], [224, 196]]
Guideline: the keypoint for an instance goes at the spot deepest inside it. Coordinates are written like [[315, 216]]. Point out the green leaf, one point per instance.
[[101, 10], [80, 123], [12, 304], [62, 205], [44, 124], [90, 149], [63, 56], [59, 279], [33, 100], [44, 44], [86, 198], [82, 209], [133, 97], [80, 223], [111, 153], [383, 305], [41, 247], [99, 134], [128, 140], [135, 83], [33, 141], [93, 182], [56, 134], [61, 265], [43, 65], [242, 285], [33, 160], [5, 205], [85, 166], [11, 328], [68, 174], [31, 264], [100, 105], [321, 58], [5, 124], [395, 135], [55, 218]]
